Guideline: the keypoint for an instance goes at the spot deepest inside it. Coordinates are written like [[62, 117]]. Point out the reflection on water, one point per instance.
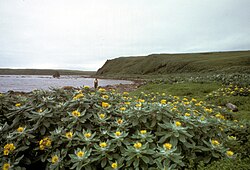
[[28, 83]]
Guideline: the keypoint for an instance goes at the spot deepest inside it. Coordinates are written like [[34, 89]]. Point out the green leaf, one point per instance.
[[163, 126], [202, 148], [88, 167], [135, 122], [207, 159], [176, 134], [216, 155], [188, 145], [182, 138], [42, 130], [162, 139], [173, 141], [74, 165], [153, 123], [145, 159], [46, 124], [104, 162], [136, 162]]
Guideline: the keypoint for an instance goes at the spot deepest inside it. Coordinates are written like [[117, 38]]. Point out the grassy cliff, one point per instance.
[[155, 64]]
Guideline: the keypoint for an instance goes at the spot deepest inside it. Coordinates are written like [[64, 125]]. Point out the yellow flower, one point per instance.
[[6, 152], [193, 100], [125, 98], [45, 142], [176, 97], [40, 111], [122, 108], [178, 123], [163, 101], [127, 103], [141, 100], [202, 118], [210, 110], [231, 137], [6, 166], [221, 129], [48, 143], [78, 96], [69, 135], [167, 146], [80, 154], [105, 105], [117, 133], [119, 121], [138, 145], [86, 87], [10, 147], [138, 105], [54, 159], [41, 147], [143, 132], [76, 113], [103, 145], [125, 93], [87, 135], [230, 153], [101, 90], [185, 99], [102, 116], [215, 142], [218, 115], [114, 165], [20, 129], [105, 96], [18, 105], [187, 114]]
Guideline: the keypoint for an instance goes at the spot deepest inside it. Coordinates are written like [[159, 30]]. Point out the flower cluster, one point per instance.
[[76, 113], [44, 143], [230, 90], [8, 148], [78, 96]]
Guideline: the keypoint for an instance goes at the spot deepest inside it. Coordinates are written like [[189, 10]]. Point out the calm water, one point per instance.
[[28, 83]]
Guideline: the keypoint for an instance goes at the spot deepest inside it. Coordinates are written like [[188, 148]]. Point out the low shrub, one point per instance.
[[75, 129], [226, 164]]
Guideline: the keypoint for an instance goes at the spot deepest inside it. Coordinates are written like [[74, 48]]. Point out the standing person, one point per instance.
[[96, 83]]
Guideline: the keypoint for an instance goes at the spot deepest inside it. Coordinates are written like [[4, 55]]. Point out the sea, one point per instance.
[[27, 83]]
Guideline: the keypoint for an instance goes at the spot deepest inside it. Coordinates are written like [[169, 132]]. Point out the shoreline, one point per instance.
[[118, 87]]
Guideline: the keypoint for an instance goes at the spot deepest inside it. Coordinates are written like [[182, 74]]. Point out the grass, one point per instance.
[[195, 90], [199, 91], [242, 102]]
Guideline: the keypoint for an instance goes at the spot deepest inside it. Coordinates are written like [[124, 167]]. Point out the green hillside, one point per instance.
[[6, 71], [156, 64]]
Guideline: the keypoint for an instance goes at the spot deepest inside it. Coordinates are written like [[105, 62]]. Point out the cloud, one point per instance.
[[83, 34]]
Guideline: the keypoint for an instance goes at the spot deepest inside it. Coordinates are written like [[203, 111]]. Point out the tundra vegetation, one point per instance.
[[177, 120], [100, 129]]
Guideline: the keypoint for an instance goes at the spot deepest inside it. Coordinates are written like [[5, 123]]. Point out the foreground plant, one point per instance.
[[100, 129]]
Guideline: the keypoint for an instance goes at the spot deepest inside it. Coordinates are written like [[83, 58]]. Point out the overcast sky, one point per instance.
[[83, 34]]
